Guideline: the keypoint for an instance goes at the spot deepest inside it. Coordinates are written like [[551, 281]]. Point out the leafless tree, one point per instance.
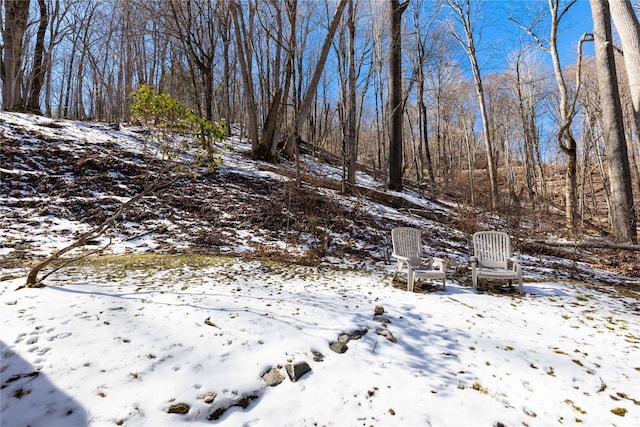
[[194, 25], [396, 93], [244, 50], [621, 210], [628, 26], [422, 54], [307, 99], [466, 14], [528, 84], [14, 26], [567, 105]]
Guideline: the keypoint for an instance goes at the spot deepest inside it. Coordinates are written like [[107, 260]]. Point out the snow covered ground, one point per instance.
[[164, 340], [102, 347]]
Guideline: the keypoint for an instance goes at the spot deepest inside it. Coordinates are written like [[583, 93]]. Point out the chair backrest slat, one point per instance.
[[492, 248], [407, 242]]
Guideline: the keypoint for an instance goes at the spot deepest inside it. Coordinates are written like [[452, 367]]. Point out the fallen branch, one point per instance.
[[32, 278], [67, 262], [590, 245]]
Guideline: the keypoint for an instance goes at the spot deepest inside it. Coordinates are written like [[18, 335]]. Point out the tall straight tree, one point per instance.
[[628, 26], [621, 210], [567, 108], [422, 54], [38, 71], [305, 105], [352, 138], [396, 101], [244, 50], [11, 67], [467, 16]]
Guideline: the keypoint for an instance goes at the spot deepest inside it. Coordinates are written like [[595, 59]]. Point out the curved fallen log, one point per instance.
[[32, 278], [590, 245]]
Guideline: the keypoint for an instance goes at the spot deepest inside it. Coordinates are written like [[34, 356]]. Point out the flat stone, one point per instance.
[[356, 335], [387, 334], [338, 347], [344, 338], [273, 377], [297, 371], [179, 408]]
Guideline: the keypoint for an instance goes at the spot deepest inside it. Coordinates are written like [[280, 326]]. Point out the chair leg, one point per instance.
[[410, 279]]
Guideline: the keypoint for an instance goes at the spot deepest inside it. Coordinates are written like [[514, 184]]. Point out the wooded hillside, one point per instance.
[[545, 133]]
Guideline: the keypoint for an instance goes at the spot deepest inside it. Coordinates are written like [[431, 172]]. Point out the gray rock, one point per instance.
[[297, 371], [356, 335], [317, 356], [353, 335], [344, 338], [273, 377], [240, 401], [208, 397], [387, 334], [379, 310], [338, 347]]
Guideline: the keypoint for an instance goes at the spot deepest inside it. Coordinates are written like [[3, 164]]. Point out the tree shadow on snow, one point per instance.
[[28, 397]]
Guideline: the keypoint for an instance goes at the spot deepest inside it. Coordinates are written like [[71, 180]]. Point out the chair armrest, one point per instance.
[[516, 264], [426, 259], [400, 258], [438, 263]]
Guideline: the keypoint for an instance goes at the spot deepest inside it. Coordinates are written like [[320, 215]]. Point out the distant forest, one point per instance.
[[398, 87]]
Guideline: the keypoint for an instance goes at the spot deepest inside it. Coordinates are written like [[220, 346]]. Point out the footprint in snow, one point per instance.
[[59, 336]]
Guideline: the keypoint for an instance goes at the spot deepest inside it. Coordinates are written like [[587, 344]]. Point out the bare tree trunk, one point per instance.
[[38, 71], [623, 219], [305, 105], [245, 55], [352, 141], [396, 99], [55, 37], [422, 107], [529, 129], [11, 71], [463, 11], [628, 26], [224, 29], [564, 137], [278, 105]]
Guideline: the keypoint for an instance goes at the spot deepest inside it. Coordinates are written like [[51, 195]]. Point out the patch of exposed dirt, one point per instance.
[[88, 183]]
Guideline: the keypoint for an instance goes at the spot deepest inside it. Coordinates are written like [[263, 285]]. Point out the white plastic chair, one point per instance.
[[407, 250], [493, 258]]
